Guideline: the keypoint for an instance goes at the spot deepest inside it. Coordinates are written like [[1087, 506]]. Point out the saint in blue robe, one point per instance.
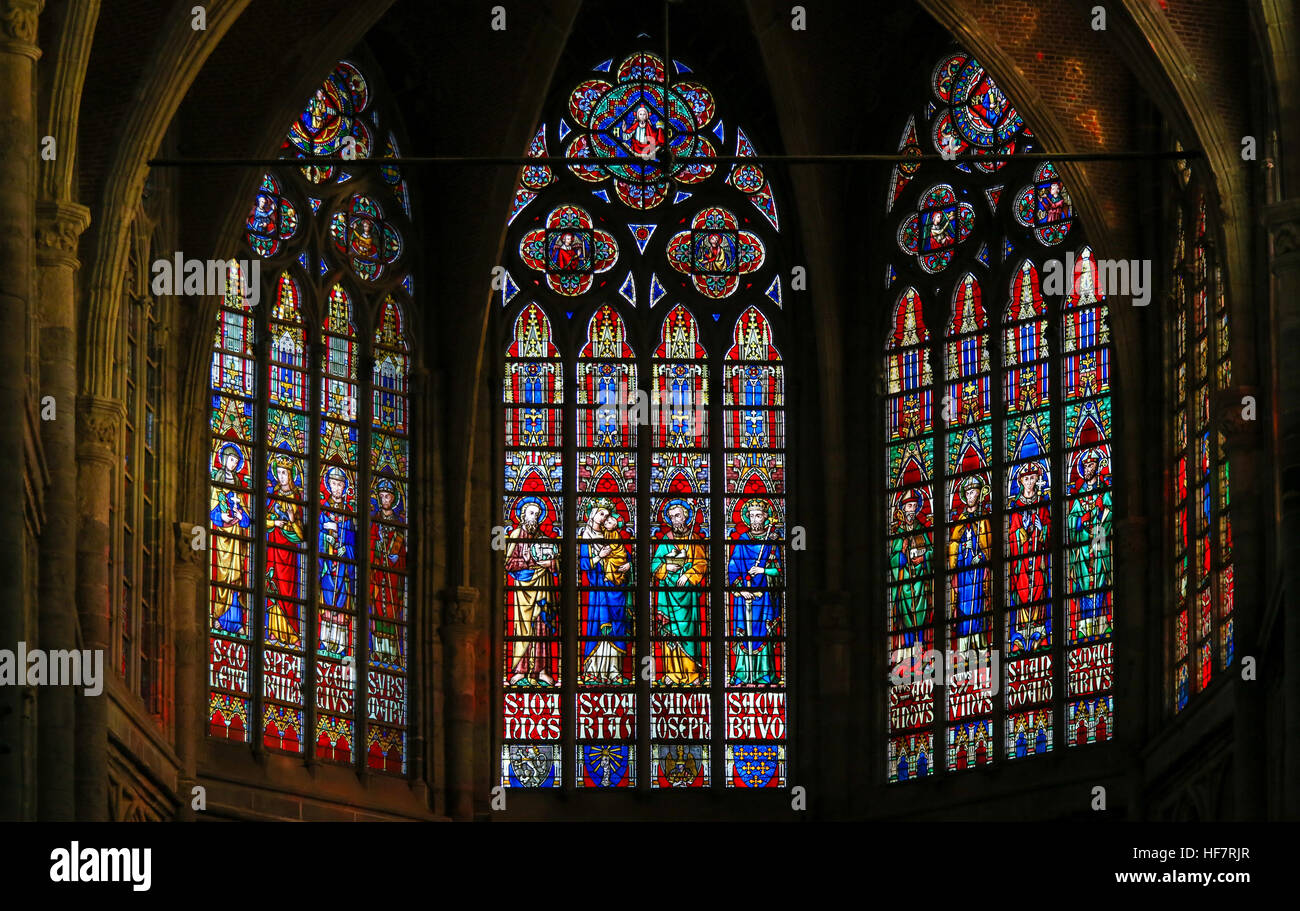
[[753, 617]]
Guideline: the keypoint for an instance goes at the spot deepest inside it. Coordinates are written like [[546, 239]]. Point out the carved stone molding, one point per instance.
[[126, 803], [98, 423], [188, 560], [1228, 409], [18, 27], [59, 226], [1283, 223], [460, 606]]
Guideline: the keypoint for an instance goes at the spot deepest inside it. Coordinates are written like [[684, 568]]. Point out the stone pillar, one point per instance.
[[460, 635], [191, 666], [58, 229], [1250, 602], [828, 745], [1283, 224], [1138, 654], [18, 56], [99, 421]]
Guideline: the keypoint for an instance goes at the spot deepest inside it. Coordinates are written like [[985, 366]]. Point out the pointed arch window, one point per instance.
[[310, 472], [1201, 630], [998, 483], [645, 610], [139, 623]]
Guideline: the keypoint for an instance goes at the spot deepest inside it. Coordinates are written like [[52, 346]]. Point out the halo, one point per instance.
[[1093, 453], [393, 487], [335, 471], [524, 501], [239, 452], [763, 503], [690, 511]]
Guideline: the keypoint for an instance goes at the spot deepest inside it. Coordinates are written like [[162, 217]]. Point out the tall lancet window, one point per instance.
[[1201, 635], [310, 497], [644, 622], [997, 457]]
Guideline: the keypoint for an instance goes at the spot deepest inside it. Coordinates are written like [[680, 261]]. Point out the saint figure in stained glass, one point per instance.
[[679, 567], [754, 611]]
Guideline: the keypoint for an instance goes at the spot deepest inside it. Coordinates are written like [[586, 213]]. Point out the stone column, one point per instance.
[[1283, 224], [1138, 655], [459, 635], [58, 229], [18, 56], [191, 665], [99, 422], [828, 745], [1250, 601]]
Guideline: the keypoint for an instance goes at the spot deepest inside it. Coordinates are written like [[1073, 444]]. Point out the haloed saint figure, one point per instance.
[[605, 567], [679, 567], [530, 577], [338, 579], [284, 536], [388, 559], [754, 568]]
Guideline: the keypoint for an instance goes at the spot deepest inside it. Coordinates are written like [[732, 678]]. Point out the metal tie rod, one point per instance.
[[492, 161]]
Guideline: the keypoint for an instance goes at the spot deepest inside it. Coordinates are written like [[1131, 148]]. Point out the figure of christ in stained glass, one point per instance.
[[1027, 538], [910, 562], [388, 557], [1089, 559], [754, 609], [643, 133], [337, 541], [285, 535], [968, 558], [679, 568], [530, 566], [605, 564]]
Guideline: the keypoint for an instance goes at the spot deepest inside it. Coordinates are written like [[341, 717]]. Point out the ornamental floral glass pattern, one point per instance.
[[310, 496], [998, 434], [642, 353]]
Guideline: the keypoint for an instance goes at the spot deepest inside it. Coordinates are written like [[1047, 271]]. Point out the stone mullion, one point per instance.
[[643, 613], [940, 572], [255, 611], [59, 228], [361, 550], [309, 620]]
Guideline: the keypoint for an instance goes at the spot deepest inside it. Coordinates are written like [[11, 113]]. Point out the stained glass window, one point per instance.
[[642, 354], [137, 618], [310, 471], [997, 453], [1200, 632]]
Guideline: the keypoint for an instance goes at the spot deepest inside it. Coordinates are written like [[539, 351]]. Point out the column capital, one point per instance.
[[98, 420], [459, 606], [59, 226], [1228, 407], [18, 27], [1282, 221], [188, 560]]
